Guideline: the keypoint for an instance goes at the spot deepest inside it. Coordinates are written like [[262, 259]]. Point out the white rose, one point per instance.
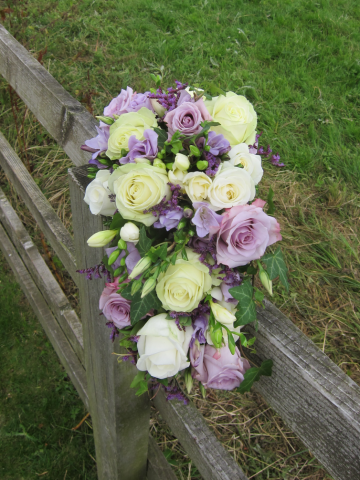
[[182, 162], [128, 124], [130, 232], [240, 154], [176, 177], [162, 347], [97, 195], [231, 187], [197, 185], [236, 116], [138, 187]]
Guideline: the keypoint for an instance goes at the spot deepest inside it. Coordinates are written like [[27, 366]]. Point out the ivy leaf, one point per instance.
[[231, 343], [161, 138], [259, 296], [141, 306], [253, 375], [158, 252], [137, 379], [246, 311], [176, 147], [184, 254], [143, 387], [144, 243], [271, 207], [275, 266], [117, 222]]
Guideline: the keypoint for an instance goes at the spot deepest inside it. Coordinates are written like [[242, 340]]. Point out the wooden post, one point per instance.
[[120, 419]]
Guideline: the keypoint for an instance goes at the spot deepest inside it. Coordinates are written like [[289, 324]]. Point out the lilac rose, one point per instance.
[[119, 104], [218, 369], [138, 101], [186, 118], [115, 308], [244, 234]]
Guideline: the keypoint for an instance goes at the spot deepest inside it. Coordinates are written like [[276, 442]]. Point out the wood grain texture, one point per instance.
[[54, 230], [62, 116], [42, 276], [190, 428], [314, 397], [61, 345], [120, 419], [158, 466]]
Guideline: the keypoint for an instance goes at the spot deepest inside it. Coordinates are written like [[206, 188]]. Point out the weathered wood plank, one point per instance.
[[190, 428], [55, 297], [39, 207], [66, 354], [158, 466], [315, 398], [62, 116], [120, 419]]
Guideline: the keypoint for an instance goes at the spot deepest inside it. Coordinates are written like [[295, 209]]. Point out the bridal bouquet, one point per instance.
[[175, 175]]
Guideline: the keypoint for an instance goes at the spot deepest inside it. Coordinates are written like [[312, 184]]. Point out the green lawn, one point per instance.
[[299, 63]]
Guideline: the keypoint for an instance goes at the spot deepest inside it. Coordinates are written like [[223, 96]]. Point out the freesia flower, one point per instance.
[[205, 218]]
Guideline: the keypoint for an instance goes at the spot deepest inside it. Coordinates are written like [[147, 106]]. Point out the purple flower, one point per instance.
[[170, 219], [119, 105], [275, 160], [244, 234], [219, 369], [115, 308], [130, 261], [200, 325], [217, 143], [138, 101], [205, 218], [142, 149], [186, 118], [98, 145]]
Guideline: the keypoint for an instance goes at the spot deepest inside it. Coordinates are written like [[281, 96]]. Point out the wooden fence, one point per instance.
[[314, 397]]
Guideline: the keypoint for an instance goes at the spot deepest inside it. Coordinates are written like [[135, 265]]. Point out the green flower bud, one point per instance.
[[113, 257], [135, 286], [170, 165], [195, 151], [216, 337], [159, 163], [191, 233], [202, 164], [100, 239], [188, 381], [148, 287], [118, 271], [202, 390], [265, 280], [181, 225], [122, 244], [122, 261], [107, 120], [207, 148], [142, 265], [123, 277]]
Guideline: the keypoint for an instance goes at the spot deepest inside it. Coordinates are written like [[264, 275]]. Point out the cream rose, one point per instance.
[[97, 195], [232, 186], [162, 347], [176, 176], [236, 116], [240, 155], [197, 185], [128, 124], [183, 285], [138, 187]]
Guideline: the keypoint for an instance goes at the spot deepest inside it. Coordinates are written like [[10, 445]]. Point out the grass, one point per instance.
[[299, 63]]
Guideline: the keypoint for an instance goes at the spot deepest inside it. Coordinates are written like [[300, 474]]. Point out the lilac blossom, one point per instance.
[[119, 104], [96, 272], [275, 161], [170, 99], [142, 148], [214, 164], [138, 101], [217, 143], [205, 218], [98, 145], [170, 219]]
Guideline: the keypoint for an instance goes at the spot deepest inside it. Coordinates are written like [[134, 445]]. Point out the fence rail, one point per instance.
[[316, 399]]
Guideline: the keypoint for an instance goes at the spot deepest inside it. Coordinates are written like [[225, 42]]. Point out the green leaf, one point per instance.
[[185, 321], [117, 222], [253, 375], [137, 379], [259, 296], [141, 306], [144, 243], [251, 270], [246, 311], [184, 254], [275, 266], [143, 388], [271, 207], [231, 343], [176, 147], [158, 252], [162, 138], [173, 259]]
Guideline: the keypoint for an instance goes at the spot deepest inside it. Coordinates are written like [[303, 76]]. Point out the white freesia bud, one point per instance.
[[159, 109], [221, 314], [265, 280], [182, 162], [142, 265], [188, 381], [130, 233], [100, 239], [97, 195], [142, 160], [192, 92], [148, 287]]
